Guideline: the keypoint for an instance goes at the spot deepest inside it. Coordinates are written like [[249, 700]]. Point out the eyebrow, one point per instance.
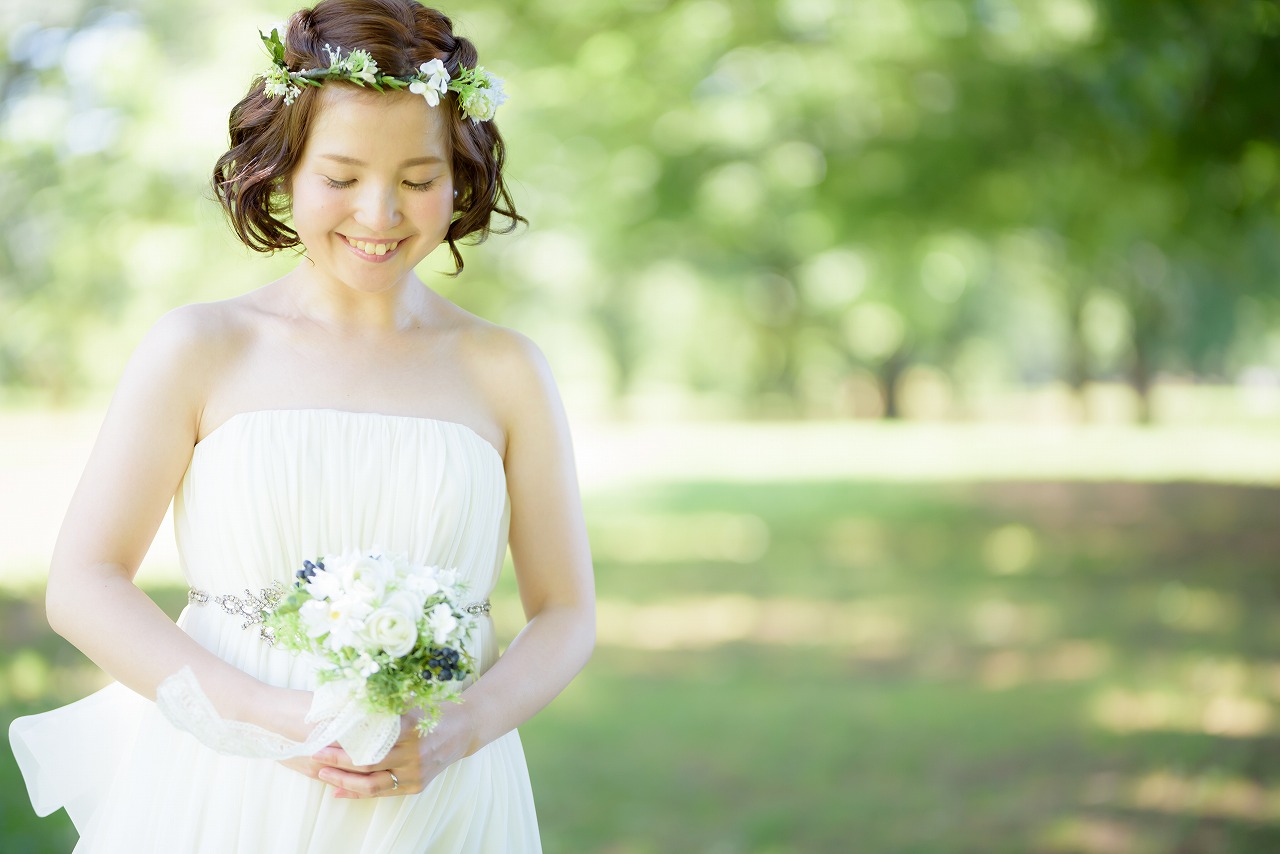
[[412, 161]]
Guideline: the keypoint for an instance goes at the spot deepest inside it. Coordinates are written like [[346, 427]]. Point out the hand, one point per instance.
[[414, 760]]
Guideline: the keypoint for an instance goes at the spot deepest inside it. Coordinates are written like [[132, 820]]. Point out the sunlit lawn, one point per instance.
[[853, 665], [1040, 667]]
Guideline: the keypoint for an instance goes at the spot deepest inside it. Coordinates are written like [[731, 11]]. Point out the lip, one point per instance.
[[373, 259]]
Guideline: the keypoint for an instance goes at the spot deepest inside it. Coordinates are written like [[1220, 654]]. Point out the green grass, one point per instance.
[[1019, 667]]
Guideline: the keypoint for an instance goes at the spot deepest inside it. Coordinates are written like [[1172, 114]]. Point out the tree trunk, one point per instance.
[[1077, 355], [889, 373], [1140, 371]]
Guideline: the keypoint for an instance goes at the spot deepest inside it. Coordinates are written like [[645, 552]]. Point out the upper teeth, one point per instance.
[[374, 248]]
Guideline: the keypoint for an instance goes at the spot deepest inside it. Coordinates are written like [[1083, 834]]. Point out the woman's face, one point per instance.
[[373, 190]]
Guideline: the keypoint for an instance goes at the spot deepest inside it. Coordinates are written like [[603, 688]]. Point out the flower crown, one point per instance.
[[479, 92]]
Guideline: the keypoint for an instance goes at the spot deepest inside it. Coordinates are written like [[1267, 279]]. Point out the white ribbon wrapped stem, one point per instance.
[[336, 711]]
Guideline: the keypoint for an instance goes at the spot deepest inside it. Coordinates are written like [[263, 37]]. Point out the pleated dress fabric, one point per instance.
[[264, 491]]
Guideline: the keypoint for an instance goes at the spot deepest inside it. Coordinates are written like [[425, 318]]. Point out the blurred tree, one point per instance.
[[753, 200]]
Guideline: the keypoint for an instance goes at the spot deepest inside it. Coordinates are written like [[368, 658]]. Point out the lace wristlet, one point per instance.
[[338, 716]]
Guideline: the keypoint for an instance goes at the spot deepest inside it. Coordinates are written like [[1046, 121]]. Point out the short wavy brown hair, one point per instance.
[[267, 137]]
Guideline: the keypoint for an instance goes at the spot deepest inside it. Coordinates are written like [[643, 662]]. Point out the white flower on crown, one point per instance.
[[481, 104], [360, 64], [437, 74], [278, 84], [436, 83], [482, 98], [479, 92], [432, 97]]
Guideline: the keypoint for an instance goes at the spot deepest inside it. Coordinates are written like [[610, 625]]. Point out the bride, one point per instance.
[[344, 406]]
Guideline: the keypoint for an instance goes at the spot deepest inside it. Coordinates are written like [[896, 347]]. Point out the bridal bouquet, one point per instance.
[[383, 632]]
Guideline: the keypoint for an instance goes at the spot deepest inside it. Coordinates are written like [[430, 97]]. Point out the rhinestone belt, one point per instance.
[[253, 606]]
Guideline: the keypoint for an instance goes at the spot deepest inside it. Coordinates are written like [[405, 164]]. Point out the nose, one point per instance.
[[378, 207]]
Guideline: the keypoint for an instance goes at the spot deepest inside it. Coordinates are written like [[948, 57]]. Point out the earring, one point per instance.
[[455, 194]]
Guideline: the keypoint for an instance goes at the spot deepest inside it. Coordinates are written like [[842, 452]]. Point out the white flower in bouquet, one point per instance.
[[338, 620], [442, 623], [389, 632], [422, 583], [392, 630], [366, 665]]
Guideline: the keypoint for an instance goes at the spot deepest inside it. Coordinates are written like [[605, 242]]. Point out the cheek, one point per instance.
[[314, 215], [438, 207]]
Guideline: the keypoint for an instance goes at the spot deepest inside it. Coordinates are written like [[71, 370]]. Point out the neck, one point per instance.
[[349, 312]]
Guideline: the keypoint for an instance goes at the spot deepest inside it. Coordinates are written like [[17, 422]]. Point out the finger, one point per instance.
[[354, 782], [336, 757], [302, 765]]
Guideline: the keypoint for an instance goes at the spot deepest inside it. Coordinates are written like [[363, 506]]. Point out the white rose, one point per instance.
[[367, 578], [392, 630], [408, 602]]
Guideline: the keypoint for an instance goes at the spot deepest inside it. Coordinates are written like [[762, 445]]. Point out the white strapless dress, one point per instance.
[[264, 491]]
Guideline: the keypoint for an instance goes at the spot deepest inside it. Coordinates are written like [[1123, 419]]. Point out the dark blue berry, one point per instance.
[[307, 572]]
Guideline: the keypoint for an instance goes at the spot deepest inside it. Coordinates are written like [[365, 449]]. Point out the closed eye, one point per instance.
[[342, 185]]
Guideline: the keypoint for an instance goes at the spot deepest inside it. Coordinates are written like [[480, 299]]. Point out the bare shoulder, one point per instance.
[[201, 332], [193, 331], [502, 351], [509, 367], [182, 353], [514, 383]]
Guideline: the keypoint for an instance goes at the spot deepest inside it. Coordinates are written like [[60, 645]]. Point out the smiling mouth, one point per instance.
[[372, 248]]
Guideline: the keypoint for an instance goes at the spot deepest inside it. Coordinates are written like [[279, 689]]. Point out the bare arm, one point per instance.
[[549, 547], [137, 463]]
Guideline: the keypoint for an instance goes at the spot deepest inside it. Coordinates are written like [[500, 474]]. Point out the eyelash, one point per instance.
[[342, 185]]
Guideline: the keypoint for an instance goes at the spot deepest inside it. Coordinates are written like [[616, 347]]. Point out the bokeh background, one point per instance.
[[924, 364]]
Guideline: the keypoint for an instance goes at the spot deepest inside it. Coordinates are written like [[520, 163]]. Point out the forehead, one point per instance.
[[376, 126]]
